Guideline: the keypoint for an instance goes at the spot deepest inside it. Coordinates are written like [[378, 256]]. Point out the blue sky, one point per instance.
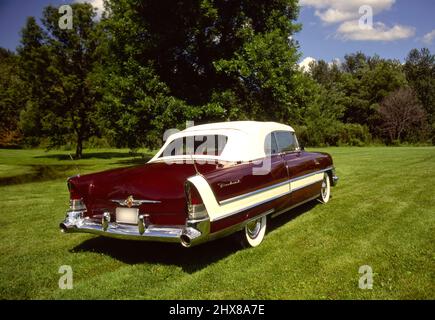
[[398, 26], [330, 27]]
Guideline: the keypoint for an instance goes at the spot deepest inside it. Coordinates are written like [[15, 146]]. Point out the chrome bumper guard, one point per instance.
[[193, 233]]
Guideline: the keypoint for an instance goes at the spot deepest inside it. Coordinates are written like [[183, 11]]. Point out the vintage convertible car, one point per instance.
[[206, 182]]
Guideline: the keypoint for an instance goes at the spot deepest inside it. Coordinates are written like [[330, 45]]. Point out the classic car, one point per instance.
[[206, 182]]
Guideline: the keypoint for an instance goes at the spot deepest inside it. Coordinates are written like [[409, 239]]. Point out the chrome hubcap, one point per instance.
[[253, 228]]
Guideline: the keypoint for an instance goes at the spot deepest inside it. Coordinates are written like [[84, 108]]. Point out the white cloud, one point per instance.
[[305, 63], [350, 30], [346, 12], [334, 15], [98, 4], [429, 37], [334, 11]]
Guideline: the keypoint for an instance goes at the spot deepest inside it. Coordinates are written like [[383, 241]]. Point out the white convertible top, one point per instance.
[[245, 139]]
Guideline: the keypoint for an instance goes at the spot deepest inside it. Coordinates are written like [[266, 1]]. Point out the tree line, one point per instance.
[[147, 66]]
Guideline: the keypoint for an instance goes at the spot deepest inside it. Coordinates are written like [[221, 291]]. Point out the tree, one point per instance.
[[420, 73], [13, 95], [197, 60], [320, 117], [367, 81], [355, 62], [326, 74], [57, 63], [402, 115]]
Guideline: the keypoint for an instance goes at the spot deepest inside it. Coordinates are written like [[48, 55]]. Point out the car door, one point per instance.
[[299, 165]]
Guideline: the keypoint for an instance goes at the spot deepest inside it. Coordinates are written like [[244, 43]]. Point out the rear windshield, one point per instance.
[[211, 145]]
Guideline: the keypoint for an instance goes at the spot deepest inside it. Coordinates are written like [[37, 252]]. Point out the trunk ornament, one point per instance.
[[131, 202]]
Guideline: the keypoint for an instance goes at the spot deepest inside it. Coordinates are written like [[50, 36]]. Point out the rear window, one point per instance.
[[211, 145]]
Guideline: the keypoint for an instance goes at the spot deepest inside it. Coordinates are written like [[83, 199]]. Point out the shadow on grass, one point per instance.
[[38, 173], [135, 252], [191, 259], [288, 216]]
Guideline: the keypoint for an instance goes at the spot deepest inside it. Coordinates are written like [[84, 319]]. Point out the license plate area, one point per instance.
[[127, 215]]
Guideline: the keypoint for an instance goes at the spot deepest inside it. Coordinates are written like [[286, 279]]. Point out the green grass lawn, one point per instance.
[[382, 214]]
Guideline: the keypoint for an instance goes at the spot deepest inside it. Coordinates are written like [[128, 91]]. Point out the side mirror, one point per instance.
[[302, 147]]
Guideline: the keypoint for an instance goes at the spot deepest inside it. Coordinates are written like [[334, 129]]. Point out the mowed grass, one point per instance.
[[382, 214]]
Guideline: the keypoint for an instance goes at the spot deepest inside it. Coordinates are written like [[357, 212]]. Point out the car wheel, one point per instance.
[[253, 233], [325, 190]]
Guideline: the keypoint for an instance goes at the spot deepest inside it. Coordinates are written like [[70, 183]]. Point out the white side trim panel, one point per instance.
[[297, 184], [216, 211]]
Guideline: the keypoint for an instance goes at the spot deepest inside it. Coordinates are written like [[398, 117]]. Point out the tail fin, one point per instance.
[[194, 164]]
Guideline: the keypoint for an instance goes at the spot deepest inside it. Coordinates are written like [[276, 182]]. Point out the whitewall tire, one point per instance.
[[325, 190], [253, 233]]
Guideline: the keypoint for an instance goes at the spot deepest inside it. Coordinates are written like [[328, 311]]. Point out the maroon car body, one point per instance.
[[191, 197]]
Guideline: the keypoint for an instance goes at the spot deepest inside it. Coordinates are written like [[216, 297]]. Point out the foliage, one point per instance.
[[403, 116], [148, 66], [420, 73], [13, 96], [226, 61], [362, 83], [56, 63]]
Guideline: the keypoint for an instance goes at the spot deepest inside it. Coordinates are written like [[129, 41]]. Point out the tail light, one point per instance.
[[195, 206], [73, 192], [76, 202]]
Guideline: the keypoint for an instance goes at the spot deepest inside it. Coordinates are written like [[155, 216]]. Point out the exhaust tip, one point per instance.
[[62, 227], [185, 241]]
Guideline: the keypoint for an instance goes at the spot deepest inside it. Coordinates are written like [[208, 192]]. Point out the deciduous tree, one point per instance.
[[420, 73], [402, 115], [57, 64]]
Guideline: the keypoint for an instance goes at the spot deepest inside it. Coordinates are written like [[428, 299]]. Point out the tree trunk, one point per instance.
[[79, 148]]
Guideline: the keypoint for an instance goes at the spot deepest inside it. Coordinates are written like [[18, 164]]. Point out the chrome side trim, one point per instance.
[[251, 206], [311, 174], [245, 195], [307, 185], [236, 227]]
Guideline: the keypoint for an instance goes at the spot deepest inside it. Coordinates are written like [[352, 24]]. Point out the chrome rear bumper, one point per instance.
[[192, 233]]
